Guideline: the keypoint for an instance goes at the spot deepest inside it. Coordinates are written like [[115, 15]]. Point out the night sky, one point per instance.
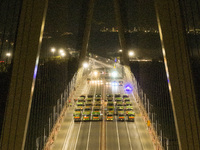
[[63, 23], [64, 15]]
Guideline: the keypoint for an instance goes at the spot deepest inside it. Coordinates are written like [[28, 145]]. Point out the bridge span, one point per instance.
[[110, 135]]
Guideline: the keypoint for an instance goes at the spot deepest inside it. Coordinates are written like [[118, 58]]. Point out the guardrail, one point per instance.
[[56, 127], [144, 105]]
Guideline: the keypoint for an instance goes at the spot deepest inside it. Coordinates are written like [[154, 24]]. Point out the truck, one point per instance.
[[131, 116], [110, 109], [109, 97], [86, 116], [128, 104], [109, 116], [128, 109], [97, 109], [126, 99], [80, 104], [89, 99], [77, 116], [88, 109], [96, 116], [121, 116], [119, 109], [125, 96], [78, 109], [118, 99]]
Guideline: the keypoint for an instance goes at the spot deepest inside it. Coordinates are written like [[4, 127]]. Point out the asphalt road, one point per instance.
[[92, 136]]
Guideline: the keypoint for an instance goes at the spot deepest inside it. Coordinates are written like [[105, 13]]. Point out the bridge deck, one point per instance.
[[88, 135]]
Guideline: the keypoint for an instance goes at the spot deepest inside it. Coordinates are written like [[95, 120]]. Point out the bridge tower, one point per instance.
[[178, 70]]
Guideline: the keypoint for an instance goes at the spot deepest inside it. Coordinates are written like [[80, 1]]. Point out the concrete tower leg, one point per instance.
[[178, 70], [86, 34], [122, 40], [24, 72]]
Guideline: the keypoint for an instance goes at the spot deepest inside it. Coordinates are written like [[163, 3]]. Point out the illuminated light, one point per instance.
[[101, 81], [61, 51], [128, 89], [114, 83], [114, 74], [85, 65], [63, 54], [53, 50], [131, 53], [95, 73], [120, 50], [8, 54]]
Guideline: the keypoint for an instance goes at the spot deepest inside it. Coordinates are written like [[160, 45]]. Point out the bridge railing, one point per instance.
[[145, 107], [62, 105]]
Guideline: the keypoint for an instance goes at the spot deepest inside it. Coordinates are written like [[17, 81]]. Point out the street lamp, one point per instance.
[[53, 50], [85, 65], [63, 54], [131, 53], [61, 51], [8, 54], [95, 73]]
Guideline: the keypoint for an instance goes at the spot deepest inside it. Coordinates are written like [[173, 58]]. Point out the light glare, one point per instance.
[[85, 65]]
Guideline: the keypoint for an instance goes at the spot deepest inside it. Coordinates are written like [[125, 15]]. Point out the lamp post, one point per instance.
[[8, 55], [62, 52], [120, 55], [131, 54], [85, 65], [53, 50]]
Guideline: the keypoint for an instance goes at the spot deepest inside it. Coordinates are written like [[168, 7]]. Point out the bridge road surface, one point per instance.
[[87, 135]]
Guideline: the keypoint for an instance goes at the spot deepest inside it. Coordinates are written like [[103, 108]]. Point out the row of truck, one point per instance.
[[91, 108]]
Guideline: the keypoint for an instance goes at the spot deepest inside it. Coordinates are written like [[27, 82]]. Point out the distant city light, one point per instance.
[[8, 54]]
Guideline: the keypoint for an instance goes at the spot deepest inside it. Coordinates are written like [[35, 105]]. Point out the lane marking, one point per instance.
[[117, 133], [78, 135], [138, 134], [128, 135], [106, 133], [102, 89], [88, 136], [69, 133], [99, 136]]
